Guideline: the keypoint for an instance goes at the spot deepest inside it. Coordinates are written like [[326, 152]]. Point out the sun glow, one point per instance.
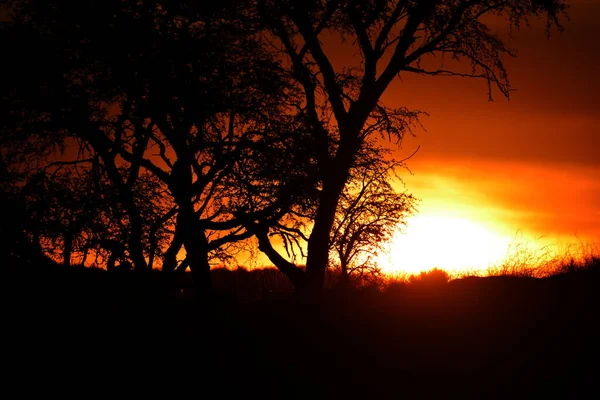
[[452, 244]]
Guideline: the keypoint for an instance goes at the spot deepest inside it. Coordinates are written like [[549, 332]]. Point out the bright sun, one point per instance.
[[452, 244]]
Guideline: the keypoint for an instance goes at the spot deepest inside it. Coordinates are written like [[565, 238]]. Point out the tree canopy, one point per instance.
[[342, 107]]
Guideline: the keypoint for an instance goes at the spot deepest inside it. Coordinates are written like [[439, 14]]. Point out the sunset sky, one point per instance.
[[528, 166], [497, 176], [491, 173]]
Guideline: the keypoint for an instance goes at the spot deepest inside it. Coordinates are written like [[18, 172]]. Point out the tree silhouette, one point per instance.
[[342, 108], [369, 212], [185, 93], [78, 213], [21, 157], [192, 93], [19, 245], [64, 208]]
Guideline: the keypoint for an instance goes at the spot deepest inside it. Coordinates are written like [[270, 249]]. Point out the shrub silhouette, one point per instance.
[[249, 286], [435, 277]]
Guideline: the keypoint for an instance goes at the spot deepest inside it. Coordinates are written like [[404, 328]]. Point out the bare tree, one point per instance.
[[370, 210], [342, 108]]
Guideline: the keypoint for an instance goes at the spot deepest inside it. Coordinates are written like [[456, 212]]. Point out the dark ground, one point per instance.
[[86, 334]]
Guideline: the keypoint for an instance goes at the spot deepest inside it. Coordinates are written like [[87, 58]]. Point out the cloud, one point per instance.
[[537, 198]]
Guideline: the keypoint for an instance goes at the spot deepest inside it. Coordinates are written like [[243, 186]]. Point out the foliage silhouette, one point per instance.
[[435, 277]]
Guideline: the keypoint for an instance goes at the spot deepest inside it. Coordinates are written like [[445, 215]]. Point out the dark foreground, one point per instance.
[[88, 335]]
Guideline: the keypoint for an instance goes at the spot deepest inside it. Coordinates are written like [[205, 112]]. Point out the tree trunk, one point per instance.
[[152, 251], [136, 248], [170, 257], [196, 247], [318, 242], [68, 249], [318, 248], [344, 278], [188, 225], [169, 266]]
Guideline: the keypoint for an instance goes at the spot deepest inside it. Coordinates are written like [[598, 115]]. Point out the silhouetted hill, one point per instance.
[[84, 331]]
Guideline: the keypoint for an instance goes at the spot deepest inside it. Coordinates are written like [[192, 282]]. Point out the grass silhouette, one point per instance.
[[431, 335]]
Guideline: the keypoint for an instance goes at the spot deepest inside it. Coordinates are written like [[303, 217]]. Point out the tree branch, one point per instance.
[[329, 77]]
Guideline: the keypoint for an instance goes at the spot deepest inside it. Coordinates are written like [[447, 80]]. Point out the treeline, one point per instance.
[[134, 132]]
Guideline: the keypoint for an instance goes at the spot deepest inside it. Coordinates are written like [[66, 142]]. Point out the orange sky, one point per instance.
[[528, 164], [524, 170], [531, 163]]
